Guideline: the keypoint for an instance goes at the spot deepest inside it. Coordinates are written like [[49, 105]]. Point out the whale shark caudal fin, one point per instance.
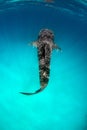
[[39, 90]]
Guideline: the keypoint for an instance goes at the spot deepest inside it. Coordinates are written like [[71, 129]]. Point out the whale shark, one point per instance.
[[45, 44]]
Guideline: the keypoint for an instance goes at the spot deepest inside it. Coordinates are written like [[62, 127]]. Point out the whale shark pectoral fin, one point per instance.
[[34, 44], [55, 46]]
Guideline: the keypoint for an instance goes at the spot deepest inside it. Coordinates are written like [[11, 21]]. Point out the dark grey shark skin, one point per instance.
[[45, 44]]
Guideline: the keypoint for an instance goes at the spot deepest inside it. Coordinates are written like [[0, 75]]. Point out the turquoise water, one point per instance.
[[63, 104]]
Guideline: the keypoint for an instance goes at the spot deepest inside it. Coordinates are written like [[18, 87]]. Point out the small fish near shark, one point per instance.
[[45, 44]]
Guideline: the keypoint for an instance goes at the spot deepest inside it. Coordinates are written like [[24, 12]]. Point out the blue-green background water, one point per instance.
[[63, 104]]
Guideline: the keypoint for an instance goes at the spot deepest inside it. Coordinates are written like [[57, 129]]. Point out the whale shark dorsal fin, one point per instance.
[[34, 44]]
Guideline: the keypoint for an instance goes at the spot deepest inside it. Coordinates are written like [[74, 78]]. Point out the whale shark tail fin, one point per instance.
[[39, 90]]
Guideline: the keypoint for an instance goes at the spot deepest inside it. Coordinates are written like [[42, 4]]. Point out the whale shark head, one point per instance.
[[46, 34]]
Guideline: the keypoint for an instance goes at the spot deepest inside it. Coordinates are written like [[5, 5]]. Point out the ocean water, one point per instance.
[[63, 104]]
